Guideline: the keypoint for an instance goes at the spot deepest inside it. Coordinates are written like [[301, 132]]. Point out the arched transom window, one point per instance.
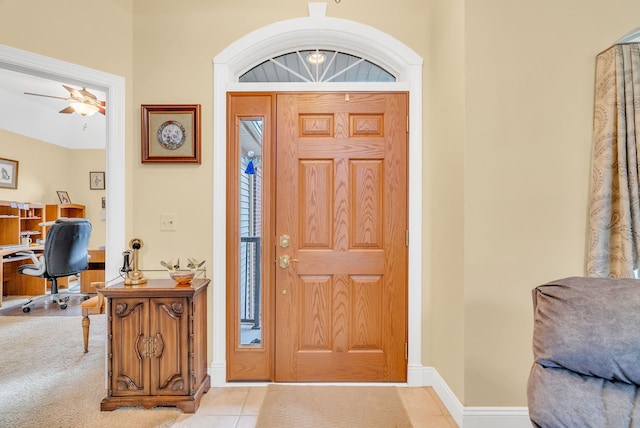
[[317, 65]]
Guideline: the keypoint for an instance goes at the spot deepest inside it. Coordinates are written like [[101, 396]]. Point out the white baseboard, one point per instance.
[[475, 417], [430, 377], [218, 373], [496, 417], [465, 417]]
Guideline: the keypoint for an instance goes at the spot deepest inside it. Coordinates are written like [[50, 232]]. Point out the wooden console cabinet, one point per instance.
[[156, 344]]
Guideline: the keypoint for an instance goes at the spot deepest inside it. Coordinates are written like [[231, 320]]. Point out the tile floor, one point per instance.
[[238, 407]]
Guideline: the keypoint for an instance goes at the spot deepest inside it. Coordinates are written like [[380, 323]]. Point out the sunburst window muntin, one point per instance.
[[328, 66]]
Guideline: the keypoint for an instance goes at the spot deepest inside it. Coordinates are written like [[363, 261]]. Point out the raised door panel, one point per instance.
[[168, 336], [130, 319], [316, 182]]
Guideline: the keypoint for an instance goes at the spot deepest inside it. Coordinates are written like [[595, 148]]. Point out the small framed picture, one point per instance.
[[64, 197], [171, 133], [8, 173], [96, 180]]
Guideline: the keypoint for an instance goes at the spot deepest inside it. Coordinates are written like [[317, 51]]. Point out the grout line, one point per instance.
[[244, 403]]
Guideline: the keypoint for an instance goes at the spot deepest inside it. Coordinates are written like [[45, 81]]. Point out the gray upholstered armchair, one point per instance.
[[586, 345]]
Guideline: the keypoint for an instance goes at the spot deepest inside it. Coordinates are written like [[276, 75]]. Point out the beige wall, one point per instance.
[[444, 130], [508, 90], [45, 168], [529, 104]]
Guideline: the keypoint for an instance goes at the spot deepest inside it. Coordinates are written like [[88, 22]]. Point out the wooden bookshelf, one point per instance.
[[18, 220], [56, 211]]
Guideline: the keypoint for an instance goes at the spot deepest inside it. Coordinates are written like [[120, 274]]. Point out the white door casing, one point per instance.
[[318, 31]]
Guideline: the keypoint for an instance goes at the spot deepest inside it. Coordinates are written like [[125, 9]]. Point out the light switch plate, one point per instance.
[[168, 221]]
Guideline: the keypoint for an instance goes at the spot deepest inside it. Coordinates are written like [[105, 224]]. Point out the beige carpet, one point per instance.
[[332, 406], [46, 379]]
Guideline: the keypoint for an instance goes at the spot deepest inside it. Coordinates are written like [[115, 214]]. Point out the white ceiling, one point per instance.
[[38, 117]]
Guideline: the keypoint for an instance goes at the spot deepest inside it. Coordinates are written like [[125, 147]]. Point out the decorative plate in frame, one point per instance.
[[171, 133]]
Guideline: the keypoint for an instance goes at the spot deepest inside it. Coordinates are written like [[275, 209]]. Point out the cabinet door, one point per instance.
[[130, 345], [168, 329]]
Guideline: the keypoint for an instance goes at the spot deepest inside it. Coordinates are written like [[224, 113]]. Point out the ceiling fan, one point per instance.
[[81, 101]]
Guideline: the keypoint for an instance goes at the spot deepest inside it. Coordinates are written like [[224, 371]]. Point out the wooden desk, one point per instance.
[[12, 282], [95, 272]]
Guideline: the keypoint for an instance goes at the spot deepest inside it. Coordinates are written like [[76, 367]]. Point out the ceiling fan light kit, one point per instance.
[[84, 109]]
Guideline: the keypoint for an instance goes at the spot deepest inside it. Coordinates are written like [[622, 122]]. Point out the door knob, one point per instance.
[[285, 261]]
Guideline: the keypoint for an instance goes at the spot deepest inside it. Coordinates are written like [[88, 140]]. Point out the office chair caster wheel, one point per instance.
[[63, 306], [26, 310]]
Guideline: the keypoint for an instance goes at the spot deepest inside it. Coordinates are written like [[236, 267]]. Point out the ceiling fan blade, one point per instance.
[[72, 91], [68, 109], [87, 94], [46, 96], [102, 110], [81, 95]]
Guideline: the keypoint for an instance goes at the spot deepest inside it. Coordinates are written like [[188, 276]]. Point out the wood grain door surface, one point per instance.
[[341, 198]]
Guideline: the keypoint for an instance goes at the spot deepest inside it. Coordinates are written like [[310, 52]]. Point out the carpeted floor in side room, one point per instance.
[[46, 379]]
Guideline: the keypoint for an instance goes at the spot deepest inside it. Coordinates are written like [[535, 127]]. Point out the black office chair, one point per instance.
[[65, 254]]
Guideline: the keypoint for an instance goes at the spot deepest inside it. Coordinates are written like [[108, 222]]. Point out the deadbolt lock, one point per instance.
[[285, 241]]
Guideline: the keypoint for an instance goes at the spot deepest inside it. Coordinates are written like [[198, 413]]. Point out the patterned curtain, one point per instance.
[[614, 243]]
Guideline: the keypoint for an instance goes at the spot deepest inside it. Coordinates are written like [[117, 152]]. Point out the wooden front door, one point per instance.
[[341, 237]]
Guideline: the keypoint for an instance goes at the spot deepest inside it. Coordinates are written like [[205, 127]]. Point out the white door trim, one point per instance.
[[331, 33]]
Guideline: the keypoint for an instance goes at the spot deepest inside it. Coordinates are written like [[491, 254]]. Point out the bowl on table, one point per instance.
[[182, 277]]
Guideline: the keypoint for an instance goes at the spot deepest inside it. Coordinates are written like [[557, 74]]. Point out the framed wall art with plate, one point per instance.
[[171, 133]]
